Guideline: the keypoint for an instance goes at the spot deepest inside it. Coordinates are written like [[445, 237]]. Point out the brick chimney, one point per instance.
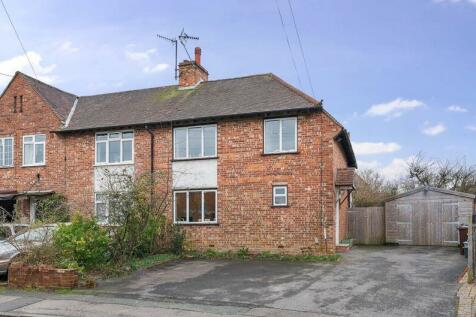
[[191, 73]]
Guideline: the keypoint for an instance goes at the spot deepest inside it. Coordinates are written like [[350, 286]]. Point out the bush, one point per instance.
[[83, 243], [52, 209]]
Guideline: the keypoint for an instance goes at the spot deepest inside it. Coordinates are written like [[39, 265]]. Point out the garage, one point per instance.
[[427, 216]]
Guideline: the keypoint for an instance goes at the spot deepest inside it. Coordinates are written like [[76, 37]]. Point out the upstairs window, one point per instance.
[[280, 135], [34, 150], [6, 152], [115, 147], [195, 142]]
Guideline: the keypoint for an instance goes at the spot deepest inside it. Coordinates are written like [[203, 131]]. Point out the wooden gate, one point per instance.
[[366, 225]]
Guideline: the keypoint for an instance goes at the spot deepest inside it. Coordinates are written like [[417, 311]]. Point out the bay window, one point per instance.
[[195, 142], [195, 206], [114, 147]]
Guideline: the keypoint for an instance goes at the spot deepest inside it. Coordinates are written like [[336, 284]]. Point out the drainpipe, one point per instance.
[[152, 151]]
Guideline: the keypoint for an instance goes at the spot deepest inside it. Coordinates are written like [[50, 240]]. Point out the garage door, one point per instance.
[[427, 223]]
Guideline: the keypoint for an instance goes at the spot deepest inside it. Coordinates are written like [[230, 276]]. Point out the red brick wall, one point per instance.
[[42, 276], [245, 178]]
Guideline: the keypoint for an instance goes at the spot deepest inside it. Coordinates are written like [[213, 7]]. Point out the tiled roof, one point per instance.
[[60, 101], [345, 177], [210, 99]]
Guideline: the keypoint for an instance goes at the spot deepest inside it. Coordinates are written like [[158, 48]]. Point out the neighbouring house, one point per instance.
[[255, 162]]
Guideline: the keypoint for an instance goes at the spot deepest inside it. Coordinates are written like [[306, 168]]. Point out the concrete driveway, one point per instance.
[[369, 281]]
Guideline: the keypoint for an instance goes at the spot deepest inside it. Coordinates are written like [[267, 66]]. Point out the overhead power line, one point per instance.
[[289, 44], [302, 50], [18, 38], [3, 74]]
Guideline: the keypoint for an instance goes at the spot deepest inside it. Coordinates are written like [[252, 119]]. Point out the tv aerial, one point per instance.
[[182, 38]]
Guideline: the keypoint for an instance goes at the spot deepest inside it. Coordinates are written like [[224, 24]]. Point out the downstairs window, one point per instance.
[[195, 206]]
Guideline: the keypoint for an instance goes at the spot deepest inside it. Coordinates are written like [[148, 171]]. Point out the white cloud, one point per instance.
[[394, 108], [369, 148], [155, 69], [68, 47], [471, 127], [433, 130], [455, 1], [456, 108], [20, 63], [396, 169], [139, 56]]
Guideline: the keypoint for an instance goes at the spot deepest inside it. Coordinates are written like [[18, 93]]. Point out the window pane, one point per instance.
[[28, 139], [271, 137], [289, 134], [127, 150], [195, 206], [180, 141], [101, 137], [8, 148], [280, 200], [209, 141], [101, 152], [101, 212], [39, 138], [39, 153], [210, 206], [279, 190], [114, 151], [28, 154], [115, 135], [1, 153], [195, 142], [180, 207], [127, 135]]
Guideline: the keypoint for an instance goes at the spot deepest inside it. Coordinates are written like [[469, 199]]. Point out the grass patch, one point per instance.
[[243, 254], [150, 261]]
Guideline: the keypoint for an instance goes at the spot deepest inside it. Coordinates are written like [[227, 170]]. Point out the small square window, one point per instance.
[[280, 195]]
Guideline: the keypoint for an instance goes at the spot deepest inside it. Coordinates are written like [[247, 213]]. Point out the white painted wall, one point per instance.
[[195, 174], [101, 172]]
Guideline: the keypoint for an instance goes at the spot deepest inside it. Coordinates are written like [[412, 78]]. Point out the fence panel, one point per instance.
[[366, 225]]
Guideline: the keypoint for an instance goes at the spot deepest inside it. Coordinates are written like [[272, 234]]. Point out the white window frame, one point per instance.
[[96, 202], [108, 133], [285, 195], [280, 150], [2, 140], [187, 154], [34, 149], [187, 192]]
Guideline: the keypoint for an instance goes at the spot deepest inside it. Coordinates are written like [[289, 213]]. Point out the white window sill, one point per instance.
[[113, 164], [196, 223], [5, 167], [277, 153], [195, 158], [34, 165]]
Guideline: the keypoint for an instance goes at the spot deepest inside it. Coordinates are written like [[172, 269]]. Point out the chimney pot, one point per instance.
[[198, 55]]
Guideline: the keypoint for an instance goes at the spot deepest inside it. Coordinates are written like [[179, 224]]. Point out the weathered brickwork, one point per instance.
[[21, 275], [246, 217]]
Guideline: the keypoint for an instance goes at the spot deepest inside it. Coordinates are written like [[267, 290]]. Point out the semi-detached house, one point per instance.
[[255, 162]]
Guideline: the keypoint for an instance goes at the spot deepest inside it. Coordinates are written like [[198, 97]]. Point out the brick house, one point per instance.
[[255, 162]]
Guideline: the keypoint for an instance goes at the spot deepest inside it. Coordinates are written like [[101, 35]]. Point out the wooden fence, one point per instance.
[[366, 225]]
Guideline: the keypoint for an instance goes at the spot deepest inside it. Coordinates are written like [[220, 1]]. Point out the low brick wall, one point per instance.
[[21, 275]]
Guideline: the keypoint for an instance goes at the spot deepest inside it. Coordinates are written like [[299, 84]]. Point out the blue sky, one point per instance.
[[399, 74]]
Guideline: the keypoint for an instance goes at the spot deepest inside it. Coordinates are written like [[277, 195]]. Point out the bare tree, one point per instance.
[[372, 189]]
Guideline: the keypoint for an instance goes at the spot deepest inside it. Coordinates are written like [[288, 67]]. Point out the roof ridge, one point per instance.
[[43, 83], [240, 77], [127, 91]]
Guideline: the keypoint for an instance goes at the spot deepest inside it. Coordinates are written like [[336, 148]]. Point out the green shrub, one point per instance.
[[52, 209], [243, 253], [178, 240], [83, 243]]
